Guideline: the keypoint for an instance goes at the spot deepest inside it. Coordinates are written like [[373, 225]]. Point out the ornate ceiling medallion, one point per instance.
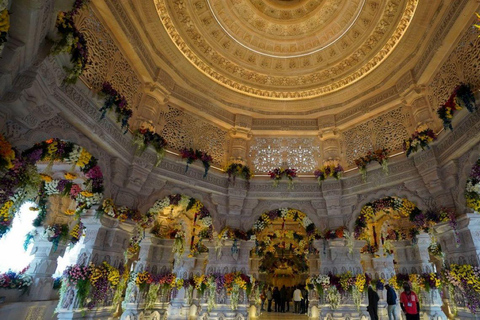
[[238, 46], [298, 29]]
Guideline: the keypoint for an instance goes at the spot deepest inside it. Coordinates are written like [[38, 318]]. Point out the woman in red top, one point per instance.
[[409, 303]]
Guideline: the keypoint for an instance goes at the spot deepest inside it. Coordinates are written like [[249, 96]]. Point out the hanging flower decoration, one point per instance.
[[379, 155], [4, 25], [327, 171], [284, 213], [7, 154], [145, 137], [58, 150], [202, 221], [76, 233], [388, 205], [57, 233], [124, 213], [22, 182], [278, 173], [72, 41], [229, 233], [122, 109], [238, 170], [465, 279], [18, 281], [93, 283], [419, 139], [472, 190], [461, 97], [192, 155]]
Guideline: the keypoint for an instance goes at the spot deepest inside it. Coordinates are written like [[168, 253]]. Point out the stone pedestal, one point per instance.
[[43, 266], [336, 258], [463, 247], [346, 309], [411, 257], [431, 305]]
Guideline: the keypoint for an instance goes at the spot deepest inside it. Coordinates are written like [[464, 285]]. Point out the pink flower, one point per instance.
[[94, 173], [75, 190]]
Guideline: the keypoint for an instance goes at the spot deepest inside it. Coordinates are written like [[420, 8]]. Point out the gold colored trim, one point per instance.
[[203, 67]]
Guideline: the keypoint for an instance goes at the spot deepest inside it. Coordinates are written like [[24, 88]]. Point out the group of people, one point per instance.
[[408, 302], [282, 298]]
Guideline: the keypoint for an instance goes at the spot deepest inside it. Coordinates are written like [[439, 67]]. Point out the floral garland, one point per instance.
[[461, 97], [72, 41], [58, 150], [192, 155], [22, 182], [284, 213], [13, 280], [203, 224], [124, 213], [122, 109], [7, 153], [234, 170], [232, 283], [4, 24], [404, 207], [326, 171], [420, 139], [277, 174], [56, 233], [466, 279], [145, 137], [133, 247], [380, 156], [94, 282], [76, 233], [472, 190], [229, 233]]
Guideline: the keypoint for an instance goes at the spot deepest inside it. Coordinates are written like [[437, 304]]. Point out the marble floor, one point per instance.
[[281, 316]]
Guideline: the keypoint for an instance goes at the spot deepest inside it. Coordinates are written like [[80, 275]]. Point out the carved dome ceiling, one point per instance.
[[278, 58]]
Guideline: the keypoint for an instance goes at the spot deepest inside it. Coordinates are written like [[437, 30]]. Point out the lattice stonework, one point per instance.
[[386, 131], [185, 130], [461, 66], [300, 153], [107, 61]]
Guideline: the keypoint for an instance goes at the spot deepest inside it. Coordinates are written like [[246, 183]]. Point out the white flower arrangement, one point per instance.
[[51, 187], [283, 212], [160, 205], [49, 232], [306, 222], [207, 221], [473, 187], [184, 201], [333, 297], [75, 154], [323, 280]]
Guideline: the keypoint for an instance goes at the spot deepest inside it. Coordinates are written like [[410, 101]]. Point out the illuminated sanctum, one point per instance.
[[204, 159]]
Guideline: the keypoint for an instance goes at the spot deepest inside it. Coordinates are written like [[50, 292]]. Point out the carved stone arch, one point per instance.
[[463, 175], [392, 192], [265, 206], [168, 190]]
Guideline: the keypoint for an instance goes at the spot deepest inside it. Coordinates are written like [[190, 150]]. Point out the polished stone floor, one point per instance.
[[281, 316]]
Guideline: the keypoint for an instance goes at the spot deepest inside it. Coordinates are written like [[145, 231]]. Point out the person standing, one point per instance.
[[297, 298], [391, 303], [283, 298], [372, 307], [269, 299], [289, 297], [409, 303], [263, 296], [276, 299]]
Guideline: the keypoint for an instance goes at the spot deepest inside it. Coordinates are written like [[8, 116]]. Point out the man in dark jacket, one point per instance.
[[391, 302], [283, 298], [276, 298], [373, 303]]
